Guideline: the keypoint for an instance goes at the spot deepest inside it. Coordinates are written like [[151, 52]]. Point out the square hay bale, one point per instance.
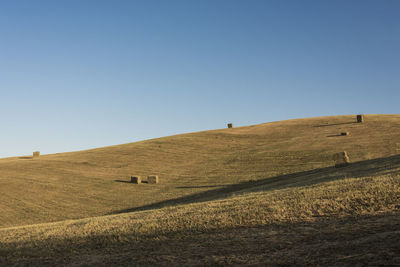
[[153, 179], [345, 133], [230, 125], [136, 179], [341, 159], [360, 118], [36, 154]]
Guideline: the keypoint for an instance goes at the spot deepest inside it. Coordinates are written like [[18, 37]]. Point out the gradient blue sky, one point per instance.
[[80, 74]]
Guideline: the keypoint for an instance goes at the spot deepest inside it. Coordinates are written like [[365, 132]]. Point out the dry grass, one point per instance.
[[250, 218], [93, 183], [266, 194]]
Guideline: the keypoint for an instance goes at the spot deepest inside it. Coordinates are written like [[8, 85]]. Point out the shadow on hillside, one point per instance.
[[200, 186], [27, 157], [128, 182], [381, 166], [335, 135], [122, 181], [345, 241], [335, 124]]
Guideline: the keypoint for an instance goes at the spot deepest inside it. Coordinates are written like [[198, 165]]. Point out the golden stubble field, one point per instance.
[[263, 194], [343, 222], [92, 183]]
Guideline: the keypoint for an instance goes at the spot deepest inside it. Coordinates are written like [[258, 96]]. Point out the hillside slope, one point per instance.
[[346, 221], [192, 167]]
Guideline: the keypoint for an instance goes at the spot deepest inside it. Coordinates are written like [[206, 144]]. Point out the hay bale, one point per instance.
[[230, 125], [152, 179], [36, 154], [360, 118], [341, 159], [345, 133], [136, 179]]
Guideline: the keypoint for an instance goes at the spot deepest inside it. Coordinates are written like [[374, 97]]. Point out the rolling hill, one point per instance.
[[267, 193]]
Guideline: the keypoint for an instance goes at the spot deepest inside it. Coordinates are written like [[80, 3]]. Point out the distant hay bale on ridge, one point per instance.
[[152, 179], [230, 125], [360, 118], [136, 179], [36, 154], [345, 133], [341, 159]]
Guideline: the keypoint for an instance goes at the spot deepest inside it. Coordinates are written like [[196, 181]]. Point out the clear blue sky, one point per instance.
[[81, 74]]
